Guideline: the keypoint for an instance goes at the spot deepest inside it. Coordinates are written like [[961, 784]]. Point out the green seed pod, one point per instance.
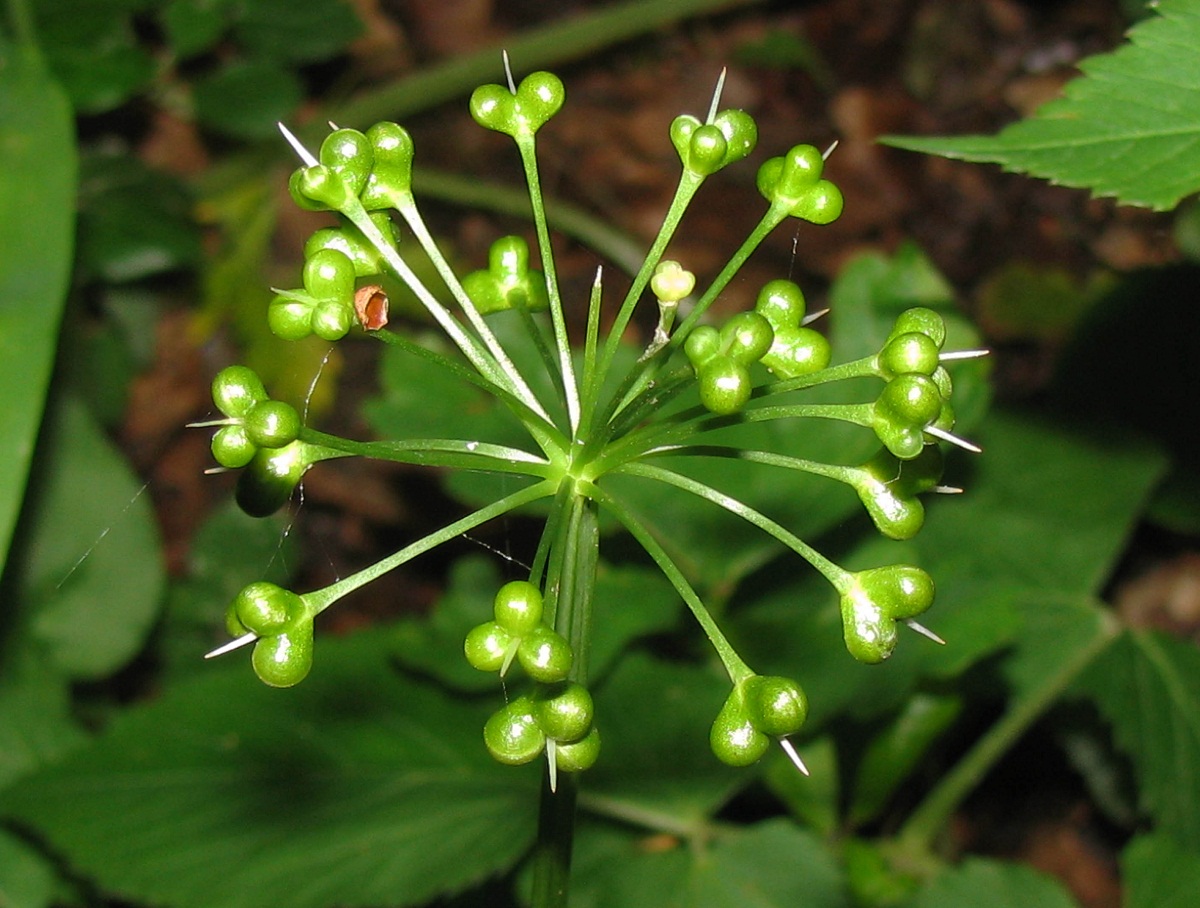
[[545, 655], [563, 711], [266, 609], [236, 390], [486, 646], [578, 755], [268, 481], [775, 706], [733, 738], [285, 659], [272, 424], [512, 736], [518, 607]]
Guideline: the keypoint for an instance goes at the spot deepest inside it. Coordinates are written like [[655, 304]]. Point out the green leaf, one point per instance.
[[92, 578], [303, 33], [37, 180], [1160, 873], [230, 550], [27, 878], [93, 49], [194, 26], [894, 753], [1129, 127], [36, 725], [1148, 686], [360, 787], [991, 884], [246, 99], [134, 222], [769, 865], [654, 719]]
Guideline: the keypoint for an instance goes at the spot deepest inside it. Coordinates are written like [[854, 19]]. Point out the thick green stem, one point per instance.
[[918, 834], [576, 582]]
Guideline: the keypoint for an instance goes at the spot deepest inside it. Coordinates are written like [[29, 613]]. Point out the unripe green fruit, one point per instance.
[[545, 655], [564, 711], [232, 448], [733, 738], [518, 607], [486, 646], [265, 609], [285, 659], [775, 706], [578, 755], [724, 386], [272, 424], [236, 389], [512, 736]]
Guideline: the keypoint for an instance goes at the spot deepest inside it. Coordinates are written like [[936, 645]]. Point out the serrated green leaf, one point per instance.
[[769, 865], [360, 787], [37, 174], [984, 883], [92, 576], [1129, 127], [1148, 686], [1160, 873]]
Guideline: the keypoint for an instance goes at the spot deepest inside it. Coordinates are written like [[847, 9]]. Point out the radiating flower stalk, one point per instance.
[[597, 423]]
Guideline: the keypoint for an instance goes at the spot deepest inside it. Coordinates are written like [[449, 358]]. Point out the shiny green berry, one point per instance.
[[776, 706], [725, 386], [268, 481], [284, 660], [518, 607], [236, 390], [578, 755], [512, 736], [545, 655], [232, 448], [266, 609], [272, 424], [486, 646], [563, 711], [733, 738]]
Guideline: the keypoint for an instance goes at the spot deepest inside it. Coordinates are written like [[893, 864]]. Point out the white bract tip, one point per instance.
[[244, 640], [301, 152], [716, 98], [947, 490], [828, 151], [950, 355], [552, 763], [813, 316], [790, 750], [214, 471], [953, 439], [512, 86], [924, 631]]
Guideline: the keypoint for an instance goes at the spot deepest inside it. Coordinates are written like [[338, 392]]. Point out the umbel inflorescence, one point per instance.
[[606, 415]]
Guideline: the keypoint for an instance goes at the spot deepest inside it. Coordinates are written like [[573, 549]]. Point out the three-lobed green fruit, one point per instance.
[[874, 600], [758, 709]]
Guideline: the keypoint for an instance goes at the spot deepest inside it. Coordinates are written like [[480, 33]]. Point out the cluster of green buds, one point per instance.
[[600, 414]]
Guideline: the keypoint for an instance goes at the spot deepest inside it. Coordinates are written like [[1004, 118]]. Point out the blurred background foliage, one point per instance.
[[143, 224]]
